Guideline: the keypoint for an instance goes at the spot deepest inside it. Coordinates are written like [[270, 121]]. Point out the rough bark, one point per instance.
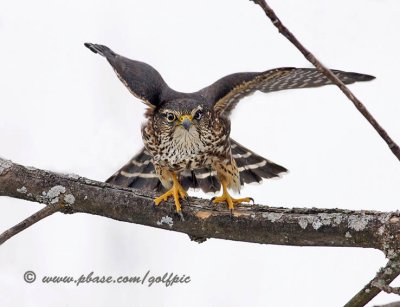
[[249, 223]]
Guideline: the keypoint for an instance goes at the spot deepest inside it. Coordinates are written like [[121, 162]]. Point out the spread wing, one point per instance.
[[227, 91], [142, 80]]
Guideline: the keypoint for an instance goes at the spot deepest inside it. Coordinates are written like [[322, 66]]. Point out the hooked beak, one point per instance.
[[186, 121]]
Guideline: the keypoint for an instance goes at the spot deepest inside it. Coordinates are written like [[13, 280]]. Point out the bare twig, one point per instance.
[[391, 271], [327, 72], [380, 282], [393, 304], [387, 289], [34, 218]]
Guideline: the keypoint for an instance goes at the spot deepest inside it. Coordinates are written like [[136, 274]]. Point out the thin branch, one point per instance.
[[380, 282], [393, 304], [387, 289], [34, 218], [328, 73], [370, 291]]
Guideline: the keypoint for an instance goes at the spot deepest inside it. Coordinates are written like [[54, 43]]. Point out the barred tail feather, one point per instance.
[[138, 173], [203, 178], [252, 167]]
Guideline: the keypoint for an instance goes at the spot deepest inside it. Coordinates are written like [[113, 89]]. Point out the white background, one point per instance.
[[63, 109]]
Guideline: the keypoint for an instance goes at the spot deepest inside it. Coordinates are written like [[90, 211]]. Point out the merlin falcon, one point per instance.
[[186, 136]]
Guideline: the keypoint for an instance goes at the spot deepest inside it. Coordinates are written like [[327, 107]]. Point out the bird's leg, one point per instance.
[[226, 197], [177, 191]]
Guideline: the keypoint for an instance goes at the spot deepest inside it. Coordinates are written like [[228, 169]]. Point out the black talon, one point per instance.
[[197, 239], [180, 215], [186, 199], [252, 200]]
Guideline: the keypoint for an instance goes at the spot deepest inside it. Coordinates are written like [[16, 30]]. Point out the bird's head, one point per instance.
[[183, 117]]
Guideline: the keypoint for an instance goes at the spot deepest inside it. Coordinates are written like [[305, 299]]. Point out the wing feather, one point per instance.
[[225, 93], [141, 79], [252, 167], [138, 173]]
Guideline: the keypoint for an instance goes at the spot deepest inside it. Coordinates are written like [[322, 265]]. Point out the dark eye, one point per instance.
[[170, 117], [198, 114]]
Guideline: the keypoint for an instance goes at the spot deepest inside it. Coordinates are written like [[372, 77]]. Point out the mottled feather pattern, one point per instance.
[[256, 82], [201, 154], [139, 172], [276, 80]]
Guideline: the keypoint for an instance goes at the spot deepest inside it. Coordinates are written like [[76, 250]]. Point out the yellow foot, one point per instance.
[[177, 191], [225, 197]]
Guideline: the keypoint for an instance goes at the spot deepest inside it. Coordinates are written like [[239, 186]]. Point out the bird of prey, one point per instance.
[[186, 136]]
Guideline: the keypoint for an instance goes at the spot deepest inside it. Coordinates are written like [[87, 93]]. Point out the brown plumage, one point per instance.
[[186, 135]]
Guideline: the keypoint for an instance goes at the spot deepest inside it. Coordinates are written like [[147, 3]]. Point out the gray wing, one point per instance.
[[141, 79], [225, 93]]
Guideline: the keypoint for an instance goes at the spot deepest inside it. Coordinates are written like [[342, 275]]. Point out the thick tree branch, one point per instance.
[[255, 223], [328, 73], [249, 223]]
